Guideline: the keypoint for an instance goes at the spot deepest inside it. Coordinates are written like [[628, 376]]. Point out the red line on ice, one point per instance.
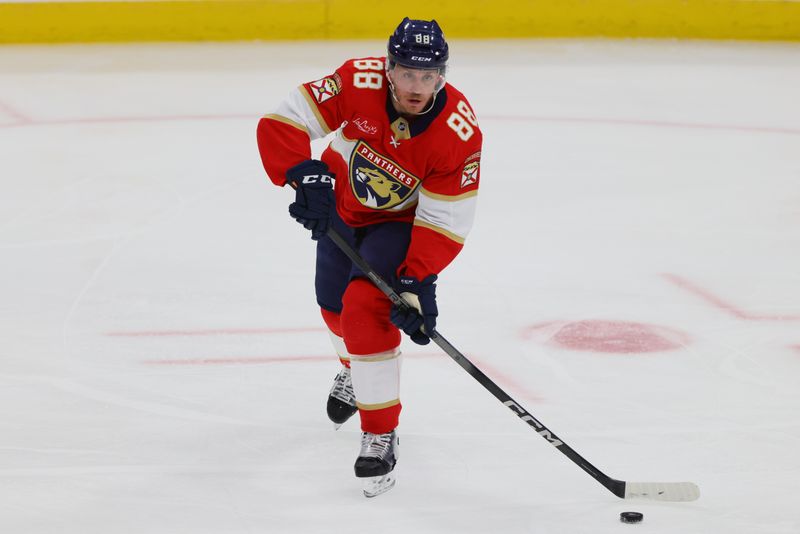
[[723, 305], [240, 360], [114, 120], [506, 380], [490, 371], [523, 118], [216, 332], [647, 123], [20, 117], [265, 359]]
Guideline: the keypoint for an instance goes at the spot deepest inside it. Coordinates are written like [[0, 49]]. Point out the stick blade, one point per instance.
[[662, 491]]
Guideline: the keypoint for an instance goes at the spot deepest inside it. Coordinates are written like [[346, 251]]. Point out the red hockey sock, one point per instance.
[[380, 421], [372, 342], [365, 320]]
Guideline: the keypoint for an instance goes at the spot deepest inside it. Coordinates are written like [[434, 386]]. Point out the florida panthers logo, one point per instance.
[[378, 182], [379, 189]]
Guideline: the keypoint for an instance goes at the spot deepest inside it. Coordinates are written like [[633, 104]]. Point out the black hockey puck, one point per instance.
[[631, 517]]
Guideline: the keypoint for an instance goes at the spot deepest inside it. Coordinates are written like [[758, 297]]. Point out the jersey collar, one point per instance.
[[420, 123]]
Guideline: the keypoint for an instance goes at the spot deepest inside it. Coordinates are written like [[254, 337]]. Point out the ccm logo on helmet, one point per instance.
[[418, 58]]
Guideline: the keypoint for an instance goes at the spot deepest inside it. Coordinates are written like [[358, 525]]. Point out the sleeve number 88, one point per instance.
[[369, 79], [462, 121]]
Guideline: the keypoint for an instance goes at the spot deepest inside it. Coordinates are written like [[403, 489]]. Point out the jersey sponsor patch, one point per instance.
[[471, 170], [324, 89], [377, 181], [365, 125]]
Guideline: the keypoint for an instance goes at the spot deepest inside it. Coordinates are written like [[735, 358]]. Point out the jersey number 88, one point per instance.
[[462, 121], [368, 80]]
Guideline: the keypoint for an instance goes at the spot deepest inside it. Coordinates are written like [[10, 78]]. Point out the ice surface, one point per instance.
[[163, 366]]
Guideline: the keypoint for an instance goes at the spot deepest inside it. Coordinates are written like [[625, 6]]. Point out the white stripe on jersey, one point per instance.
[[298, 108], [449, 215], [343, 146]]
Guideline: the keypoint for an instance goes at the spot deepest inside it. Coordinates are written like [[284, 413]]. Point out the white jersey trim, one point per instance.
[[297, 109], [451, 216]]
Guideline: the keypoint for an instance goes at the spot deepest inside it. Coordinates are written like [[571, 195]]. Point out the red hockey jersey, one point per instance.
[[387, 168]]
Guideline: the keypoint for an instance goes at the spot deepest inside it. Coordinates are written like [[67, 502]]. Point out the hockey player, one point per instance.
[[399, 182]]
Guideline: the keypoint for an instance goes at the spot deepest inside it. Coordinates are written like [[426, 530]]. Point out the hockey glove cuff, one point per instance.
[[419, 320], [313, 197]]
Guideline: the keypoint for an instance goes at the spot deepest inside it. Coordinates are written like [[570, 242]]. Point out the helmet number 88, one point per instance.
[[422, 39], [462, 123]]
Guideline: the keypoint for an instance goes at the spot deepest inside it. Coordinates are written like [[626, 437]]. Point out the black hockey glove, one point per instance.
[[313, 200], [419, 320]]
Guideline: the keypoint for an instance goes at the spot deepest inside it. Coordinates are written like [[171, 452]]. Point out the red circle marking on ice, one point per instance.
[[619, 337]]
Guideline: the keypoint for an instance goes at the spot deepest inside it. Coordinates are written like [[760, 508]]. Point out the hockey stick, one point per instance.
[[660, 491]]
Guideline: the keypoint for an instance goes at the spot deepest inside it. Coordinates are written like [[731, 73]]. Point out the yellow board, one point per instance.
[[222, 20]]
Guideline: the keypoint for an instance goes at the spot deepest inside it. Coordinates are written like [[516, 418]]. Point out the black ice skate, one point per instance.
[[341, 400], [376, 461]]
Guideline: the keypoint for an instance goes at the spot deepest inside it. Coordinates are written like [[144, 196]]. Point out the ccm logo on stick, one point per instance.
[[528, 418]]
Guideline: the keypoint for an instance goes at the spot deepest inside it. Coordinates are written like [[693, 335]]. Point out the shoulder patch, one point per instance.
[[476, 155], [325, 89], [471, 171]]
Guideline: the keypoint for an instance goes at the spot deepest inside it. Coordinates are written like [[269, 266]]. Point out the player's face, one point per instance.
[[413, 88]]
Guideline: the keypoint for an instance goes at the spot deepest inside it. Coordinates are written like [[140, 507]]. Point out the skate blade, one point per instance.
[[374, 486], [337, 426]]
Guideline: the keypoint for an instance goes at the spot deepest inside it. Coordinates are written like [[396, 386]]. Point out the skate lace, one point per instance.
[[343, 387], [375, 445]]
